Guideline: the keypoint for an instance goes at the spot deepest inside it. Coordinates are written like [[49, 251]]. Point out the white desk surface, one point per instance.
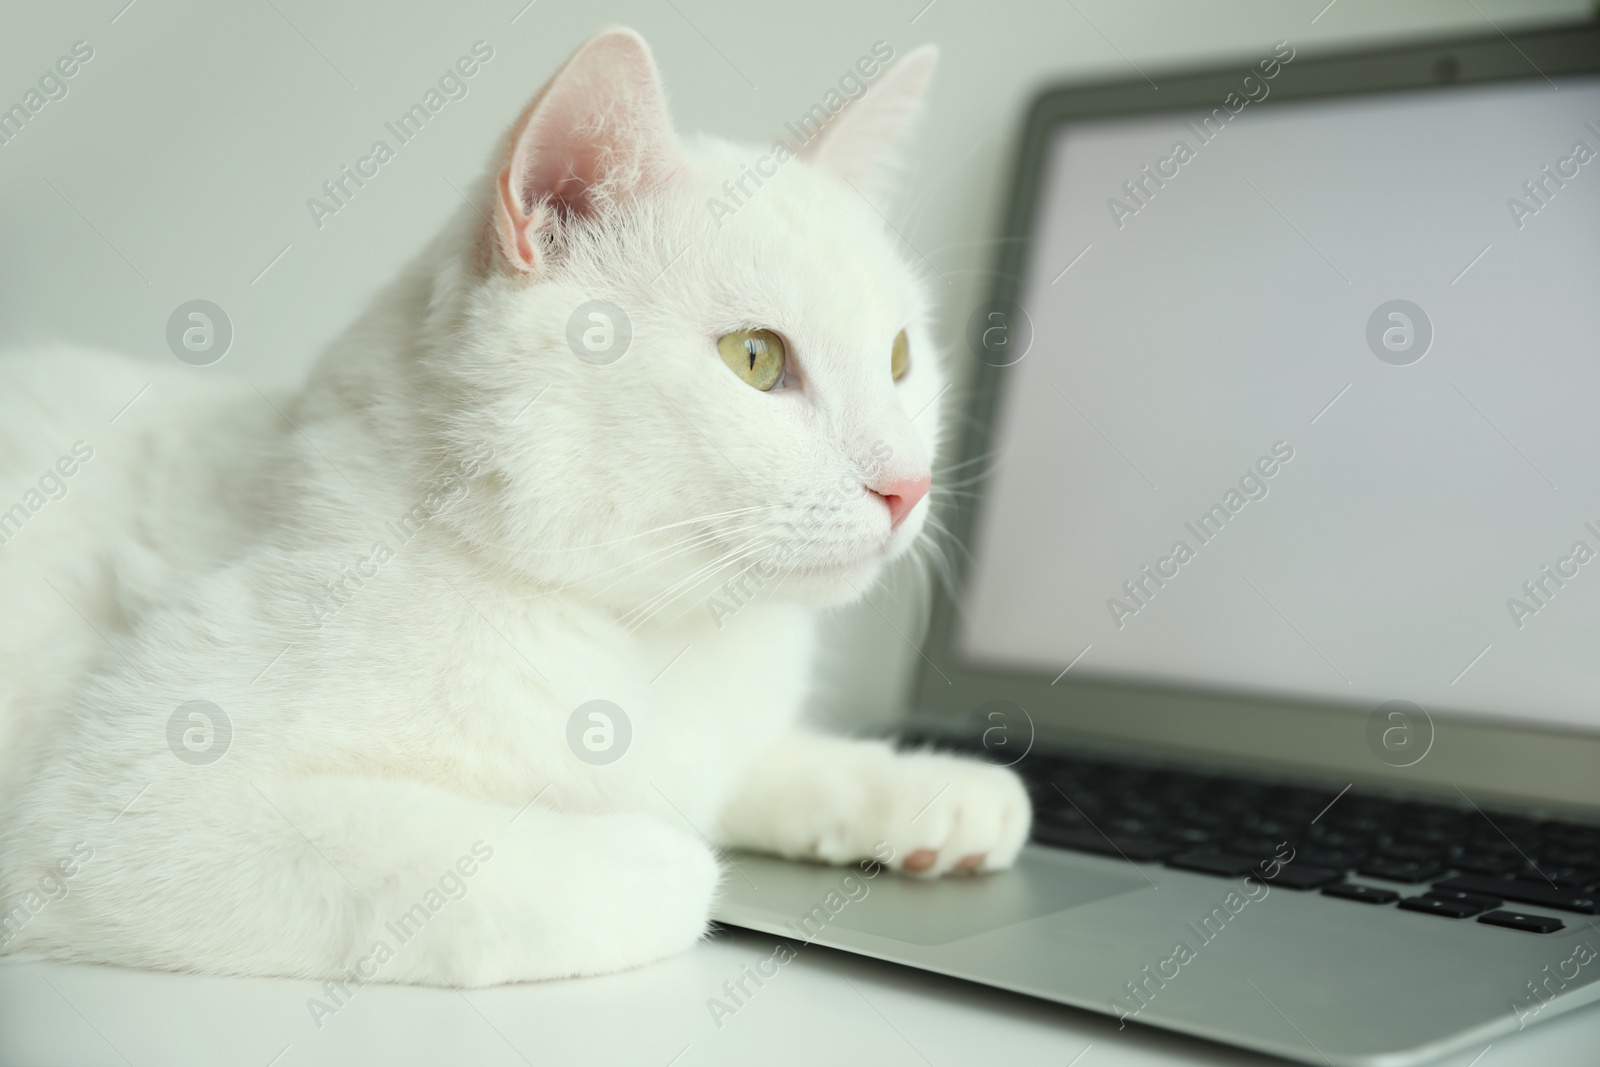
[[823, 1007]]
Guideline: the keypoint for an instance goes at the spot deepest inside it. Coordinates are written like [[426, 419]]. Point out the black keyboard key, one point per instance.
[[1434, 906], [1344, 859], [1563, 876], [1140, 807], [1081, 801], [1336, 839], [1525, 892], [1485, 863], [1517, 920], [1089, 840], [1262, 848], [1366, 894], [1440, 814], [1052, 806], [1456, 896], [1199, 815], [1501, 831], [1401, 870], [1438, 837], [1300, 876], [1555, 856], [1576, 878], [1221, 864], [1482, 838], [1415, 853]]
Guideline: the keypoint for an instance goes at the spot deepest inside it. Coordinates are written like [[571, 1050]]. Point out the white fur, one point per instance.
[[427, 717]]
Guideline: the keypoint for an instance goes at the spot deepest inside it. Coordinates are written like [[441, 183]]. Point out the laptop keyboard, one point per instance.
[[1454, 863]]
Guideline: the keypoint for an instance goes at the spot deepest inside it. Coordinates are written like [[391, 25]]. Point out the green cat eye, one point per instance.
[[900, 358], [756, 356]]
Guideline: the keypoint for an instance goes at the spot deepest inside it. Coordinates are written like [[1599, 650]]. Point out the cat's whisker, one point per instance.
[[948, 468], [634, 563], [939, 552], [757, 554], [773, 592], [941, 565], [960, 485], [645, 612], [752, 550], [710, 517], [659, 554], [987, 272], [987, 242], [698, 574], [627, 616], [700, 519], [631, 569], [639, 564]]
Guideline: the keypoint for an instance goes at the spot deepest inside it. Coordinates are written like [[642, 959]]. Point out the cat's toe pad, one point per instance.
[[948, 815]]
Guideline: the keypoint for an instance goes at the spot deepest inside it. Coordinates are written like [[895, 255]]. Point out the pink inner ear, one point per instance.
[[597, 132], [512, 221], [562, 162]]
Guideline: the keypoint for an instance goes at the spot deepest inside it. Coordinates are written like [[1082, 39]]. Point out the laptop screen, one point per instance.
[[1302, 400]]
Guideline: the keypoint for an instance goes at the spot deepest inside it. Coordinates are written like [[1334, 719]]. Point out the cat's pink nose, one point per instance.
[[902, 495]]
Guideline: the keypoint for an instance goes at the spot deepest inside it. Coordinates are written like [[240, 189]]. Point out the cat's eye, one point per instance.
[[900, 358], [756, 356]]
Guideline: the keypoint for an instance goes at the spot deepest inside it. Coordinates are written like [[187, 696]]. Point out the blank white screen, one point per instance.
[[1222, 317]]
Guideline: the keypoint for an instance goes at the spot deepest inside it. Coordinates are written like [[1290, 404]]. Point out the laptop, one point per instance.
[[1279, 569]]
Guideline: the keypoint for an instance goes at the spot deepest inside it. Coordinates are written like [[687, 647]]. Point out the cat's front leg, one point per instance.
[[839, 800]]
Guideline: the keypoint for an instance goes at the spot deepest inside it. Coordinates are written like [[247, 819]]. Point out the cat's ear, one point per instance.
[[598, 131], [861, 142]]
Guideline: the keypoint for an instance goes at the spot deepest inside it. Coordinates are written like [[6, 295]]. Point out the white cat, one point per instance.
[[300, 685]]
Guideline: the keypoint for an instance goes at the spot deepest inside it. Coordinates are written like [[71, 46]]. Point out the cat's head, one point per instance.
[[696, 360]]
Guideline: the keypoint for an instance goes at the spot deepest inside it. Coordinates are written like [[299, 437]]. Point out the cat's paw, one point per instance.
[[652, 899], [580, 895], [939, 814]]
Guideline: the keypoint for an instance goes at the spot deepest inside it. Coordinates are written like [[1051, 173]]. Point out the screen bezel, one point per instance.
[[1520, 764]]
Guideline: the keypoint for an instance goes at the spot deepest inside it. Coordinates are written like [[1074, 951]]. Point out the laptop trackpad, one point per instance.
[[805, 900]]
